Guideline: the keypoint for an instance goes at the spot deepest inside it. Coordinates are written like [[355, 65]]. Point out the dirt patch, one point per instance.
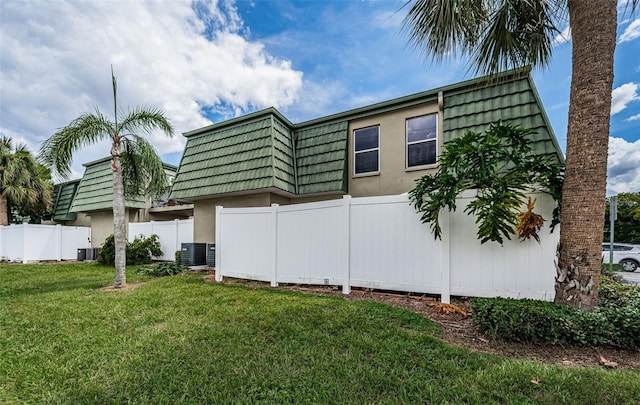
[[457, 329], [127, 287]]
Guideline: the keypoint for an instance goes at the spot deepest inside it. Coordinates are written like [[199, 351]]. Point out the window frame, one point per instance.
[[407, 143], [356, 152]]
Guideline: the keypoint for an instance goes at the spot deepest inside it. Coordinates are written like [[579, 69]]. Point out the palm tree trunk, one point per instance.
[[4, 210], [119, 223], [593, 28]]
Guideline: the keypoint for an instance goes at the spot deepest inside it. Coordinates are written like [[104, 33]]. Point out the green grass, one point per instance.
[[181, 340]]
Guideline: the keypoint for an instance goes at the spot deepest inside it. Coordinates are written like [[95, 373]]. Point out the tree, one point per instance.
[[502, 34], [499, 165], [627, 226], [136, 167], [23, 181]]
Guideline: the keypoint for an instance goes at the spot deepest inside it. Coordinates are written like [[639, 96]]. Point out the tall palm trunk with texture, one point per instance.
[[593, 28], [4, 210], [119, 220]]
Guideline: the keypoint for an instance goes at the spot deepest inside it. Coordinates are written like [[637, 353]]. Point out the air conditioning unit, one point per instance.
[[82, 254], [92, 253], [211, 254], [193, 254]]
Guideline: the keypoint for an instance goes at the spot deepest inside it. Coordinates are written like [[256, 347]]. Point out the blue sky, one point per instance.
[[208, 61]]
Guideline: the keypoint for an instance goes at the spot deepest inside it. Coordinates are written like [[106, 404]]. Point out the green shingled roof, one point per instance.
[[263, 150], [474, 107], [256, 153], [321, 158], [63, 195], [95, 191]]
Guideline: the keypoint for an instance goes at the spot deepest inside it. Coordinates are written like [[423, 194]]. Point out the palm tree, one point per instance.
[[136, 167], [502, 34], [22, 180]]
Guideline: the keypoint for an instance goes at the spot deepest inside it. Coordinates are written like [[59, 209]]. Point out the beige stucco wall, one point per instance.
[[102, 224], [394, 177], [204, 211], [101, 227]]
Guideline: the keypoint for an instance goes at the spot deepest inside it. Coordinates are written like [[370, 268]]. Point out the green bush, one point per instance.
[[613, 294], [140, 251], [107, 254], [534, 321], [162, 269]]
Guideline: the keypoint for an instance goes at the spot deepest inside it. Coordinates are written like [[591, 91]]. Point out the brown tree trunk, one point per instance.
[[593, 30], [119, 221], [4, 210]]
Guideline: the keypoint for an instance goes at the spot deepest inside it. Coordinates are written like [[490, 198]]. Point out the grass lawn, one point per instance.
[[181, 340]]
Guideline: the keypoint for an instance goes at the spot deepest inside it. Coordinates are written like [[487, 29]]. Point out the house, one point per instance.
[[381, 149], [63, 195], [89, 202]]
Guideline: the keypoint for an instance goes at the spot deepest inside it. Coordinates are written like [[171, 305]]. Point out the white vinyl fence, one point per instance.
[[171, 233], [28, 242], [379, 242]]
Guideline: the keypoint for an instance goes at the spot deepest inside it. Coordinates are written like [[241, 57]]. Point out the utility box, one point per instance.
[[193, 254], [82, 254], [211, 254]]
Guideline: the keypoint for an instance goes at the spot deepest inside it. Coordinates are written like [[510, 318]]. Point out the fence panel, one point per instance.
[[171, 234], [390, 248], [42, 242], [311, 243], [74, 238], [247, 248], [12, 242], [379, 242], [516, 269], [32, 242]]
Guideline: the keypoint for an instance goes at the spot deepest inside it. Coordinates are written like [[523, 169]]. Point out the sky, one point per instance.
[[206, 61]]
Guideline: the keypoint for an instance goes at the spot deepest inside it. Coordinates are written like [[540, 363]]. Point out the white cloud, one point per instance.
[[623, 174], [622, 96], [633, 118], [631, 32], [564, 36], [175, 55]]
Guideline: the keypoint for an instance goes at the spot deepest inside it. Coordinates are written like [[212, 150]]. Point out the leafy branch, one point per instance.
[[500, 166]]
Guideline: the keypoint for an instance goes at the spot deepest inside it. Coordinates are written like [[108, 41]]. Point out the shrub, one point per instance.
[[140, 251], [107, 254], [162, 269], [613, 294], [534, 321]]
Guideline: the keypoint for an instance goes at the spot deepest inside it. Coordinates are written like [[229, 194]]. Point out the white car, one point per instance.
[[627, 255]]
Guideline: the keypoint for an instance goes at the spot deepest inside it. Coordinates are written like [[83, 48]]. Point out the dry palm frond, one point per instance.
[[529, 223], [448, 309]]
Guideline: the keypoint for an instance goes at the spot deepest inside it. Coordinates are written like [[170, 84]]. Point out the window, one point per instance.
[[366, 150], [422, 140]]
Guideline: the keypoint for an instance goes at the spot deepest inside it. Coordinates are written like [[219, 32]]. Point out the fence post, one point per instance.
[[445, 261], [59, 243], [274, 247], [346, 247], [25, 245], [218, 243], [176, 235]]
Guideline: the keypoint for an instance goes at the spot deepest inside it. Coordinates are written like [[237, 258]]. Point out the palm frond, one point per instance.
[[443, 28], [57, 151], [519, 33], [496, 35], [142, 169], [144, 120]]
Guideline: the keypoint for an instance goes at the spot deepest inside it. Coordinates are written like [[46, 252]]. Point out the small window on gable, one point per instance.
[[422, 140], [366, 143]]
